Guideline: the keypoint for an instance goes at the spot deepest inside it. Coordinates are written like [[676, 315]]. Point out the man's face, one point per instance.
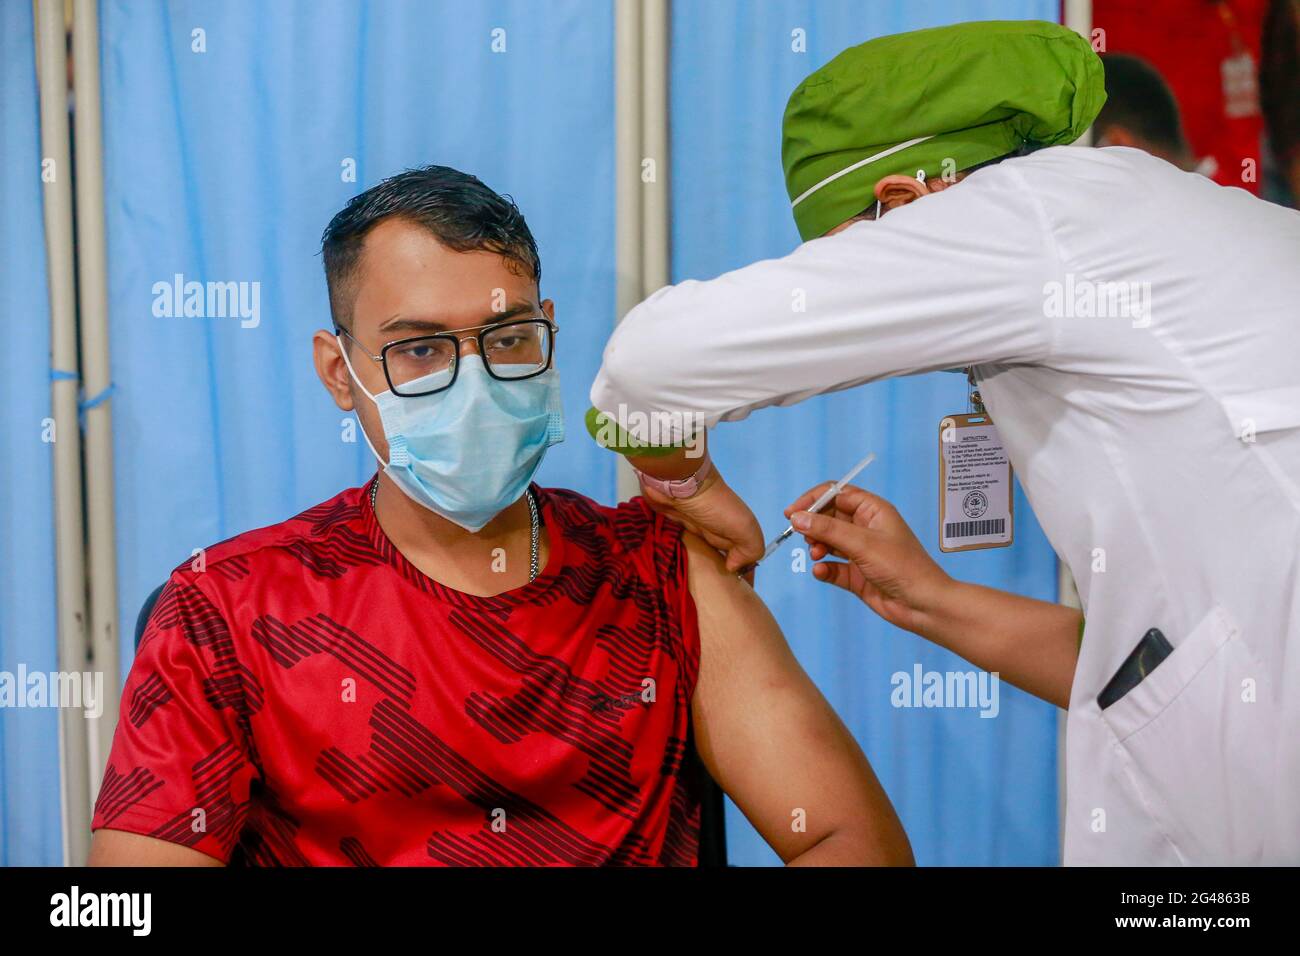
[[410, 284]]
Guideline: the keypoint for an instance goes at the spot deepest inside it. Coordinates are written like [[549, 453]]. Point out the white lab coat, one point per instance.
[[1161, 453]]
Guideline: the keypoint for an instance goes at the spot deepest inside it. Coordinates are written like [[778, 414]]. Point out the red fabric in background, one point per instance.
[[1187, 41]]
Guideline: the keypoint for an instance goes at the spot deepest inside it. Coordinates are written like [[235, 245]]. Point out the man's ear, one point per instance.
[[331, 369], [899, 190], [1115, 136]]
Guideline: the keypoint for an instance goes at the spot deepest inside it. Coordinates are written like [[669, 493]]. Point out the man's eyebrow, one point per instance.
[[401, 323]]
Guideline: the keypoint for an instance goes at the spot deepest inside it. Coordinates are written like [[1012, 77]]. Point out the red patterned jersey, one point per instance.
[[307, 696]]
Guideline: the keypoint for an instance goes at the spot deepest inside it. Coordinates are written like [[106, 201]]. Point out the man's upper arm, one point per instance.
[[180, 769], [120, 848], [771, 740]]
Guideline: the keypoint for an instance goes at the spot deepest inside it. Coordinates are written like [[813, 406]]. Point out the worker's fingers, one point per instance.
[[743, 555], [734, 560], [746, 544], [817, 550], [848, 539], [665, 507], [716, 542], [847, 502], [852, 504], [805, 500], [717, 515], [837, 573], [861, 504]]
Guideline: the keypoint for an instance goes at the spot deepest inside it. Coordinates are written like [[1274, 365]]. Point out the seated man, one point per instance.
[[451, 665]]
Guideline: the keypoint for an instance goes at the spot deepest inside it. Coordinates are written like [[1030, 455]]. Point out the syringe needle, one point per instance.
[[825, 498]]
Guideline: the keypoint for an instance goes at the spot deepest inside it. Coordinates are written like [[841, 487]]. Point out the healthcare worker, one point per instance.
[[1134, 332]]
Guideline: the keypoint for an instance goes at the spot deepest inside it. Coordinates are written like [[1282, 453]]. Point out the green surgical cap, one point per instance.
[[966, 93]]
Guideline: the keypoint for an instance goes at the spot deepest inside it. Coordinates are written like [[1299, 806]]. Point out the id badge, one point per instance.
[[975, 494]]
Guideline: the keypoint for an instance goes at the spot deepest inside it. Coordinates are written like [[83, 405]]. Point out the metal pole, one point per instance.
[[92, 292], [1077, 15], [654, 124], [51, 69], [629, 276]]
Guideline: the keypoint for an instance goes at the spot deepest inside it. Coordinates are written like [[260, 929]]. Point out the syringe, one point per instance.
[[825, 498]]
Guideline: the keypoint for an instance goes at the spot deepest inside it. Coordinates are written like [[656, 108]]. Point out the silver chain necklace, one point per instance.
[[534, 525]]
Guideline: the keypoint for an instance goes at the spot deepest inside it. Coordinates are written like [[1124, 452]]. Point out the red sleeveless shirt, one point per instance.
[[303, 695]]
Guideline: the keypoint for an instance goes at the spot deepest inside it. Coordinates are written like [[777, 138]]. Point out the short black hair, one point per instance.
[[1139, 100], [458, 209], [1024, 149]]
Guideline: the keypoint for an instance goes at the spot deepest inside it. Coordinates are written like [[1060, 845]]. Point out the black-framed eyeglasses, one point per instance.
[[425, 364]]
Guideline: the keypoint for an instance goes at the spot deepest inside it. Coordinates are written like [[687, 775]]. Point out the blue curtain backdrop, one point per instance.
[[228, 129], [970, 790], [30, 827]]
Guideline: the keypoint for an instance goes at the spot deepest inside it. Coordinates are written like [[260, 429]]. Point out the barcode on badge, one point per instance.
[[973, 529]]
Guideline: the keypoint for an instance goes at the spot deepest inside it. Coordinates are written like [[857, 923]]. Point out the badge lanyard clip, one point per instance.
[[976, 506], [974, 403]]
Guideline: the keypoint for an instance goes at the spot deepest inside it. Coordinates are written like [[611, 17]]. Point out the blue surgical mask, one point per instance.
[[468, 452]]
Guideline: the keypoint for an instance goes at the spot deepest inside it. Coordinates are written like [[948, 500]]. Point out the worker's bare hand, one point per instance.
[[884, 563], [719, 516]]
